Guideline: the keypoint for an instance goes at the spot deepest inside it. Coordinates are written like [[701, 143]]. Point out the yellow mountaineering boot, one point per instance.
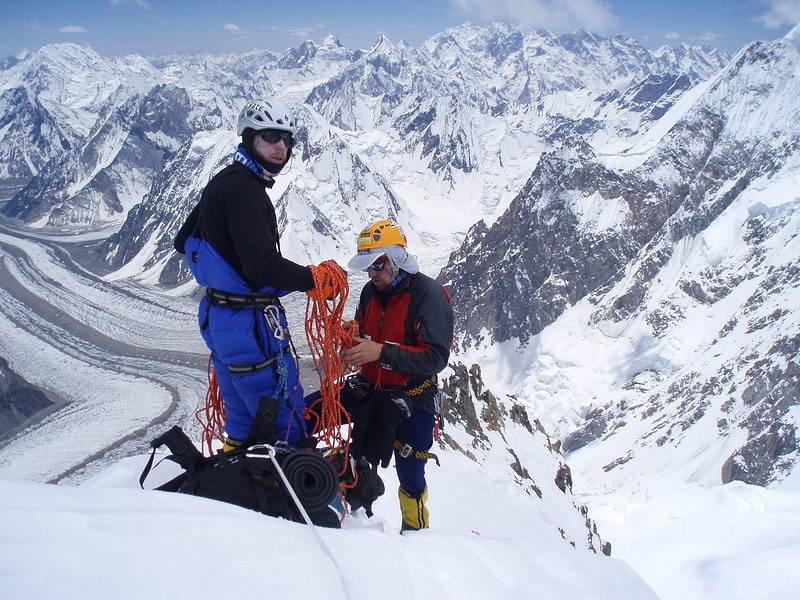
[[412, 507]]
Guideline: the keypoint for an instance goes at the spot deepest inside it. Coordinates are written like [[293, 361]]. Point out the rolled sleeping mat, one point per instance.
[[312, 477]]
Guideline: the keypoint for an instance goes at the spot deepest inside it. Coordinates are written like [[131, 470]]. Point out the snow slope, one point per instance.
[[135, 544], [662, 344], [694, 542]]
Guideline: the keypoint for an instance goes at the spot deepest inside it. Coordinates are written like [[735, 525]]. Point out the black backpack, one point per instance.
[[247, 476]]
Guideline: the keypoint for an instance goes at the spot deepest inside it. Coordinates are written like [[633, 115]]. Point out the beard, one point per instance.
[[248, 139]]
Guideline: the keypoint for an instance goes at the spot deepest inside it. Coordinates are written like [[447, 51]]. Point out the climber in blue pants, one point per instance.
[[249, 346], [232, 247]]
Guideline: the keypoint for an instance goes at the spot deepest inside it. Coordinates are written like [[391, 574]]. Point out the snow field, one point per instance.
[[134, 544], [734, 541]]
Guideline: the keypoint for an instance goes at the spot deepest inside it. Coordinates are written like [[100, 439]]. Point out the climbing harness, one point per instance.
[[417, 390], [230, 300], [406, 450]]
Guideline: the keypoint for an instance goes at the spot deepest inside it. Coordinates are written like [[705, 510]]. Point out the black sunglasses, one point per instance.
[[273, 136], [378, 265]]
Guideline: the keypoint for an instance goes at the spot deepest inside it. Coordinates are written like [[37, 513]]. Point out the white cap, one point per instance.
[[398, 257]]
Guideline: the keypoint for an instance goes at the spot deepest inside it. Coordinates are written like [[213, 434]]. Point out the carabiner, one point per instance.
[[273, 316]]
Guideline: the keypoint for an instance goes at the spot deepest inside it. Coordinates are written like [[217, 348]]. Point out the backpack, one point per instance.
[[247, 477]]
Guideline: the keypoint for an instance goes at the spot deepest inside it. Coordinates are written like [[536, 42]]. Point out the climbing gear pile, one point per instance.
[[367, 486], [241, 476], [327, 335]]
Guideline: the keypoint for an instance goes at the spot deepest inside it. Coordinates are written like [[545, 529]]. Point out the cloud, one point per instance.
[[710, 36], [72, 29], [558, 15], [303, 33], [780, 13], [139, 3], [231, 27], [672, 35]]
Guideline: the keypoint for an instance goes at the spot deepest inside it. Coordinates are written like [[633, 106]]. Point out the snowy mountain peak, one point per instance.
[[69, 50], [331, 41], [794, 34], [10, 61], [703, 60], [298, 56], [382, 45]]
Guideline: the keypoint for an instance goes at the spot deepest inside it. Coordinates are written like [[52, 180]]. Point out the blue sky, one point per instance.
[[157, 26]]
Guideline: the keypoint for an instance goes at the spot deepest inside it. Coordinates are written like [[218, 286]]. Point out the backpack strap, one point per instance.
[[184, 453], [263, 428]]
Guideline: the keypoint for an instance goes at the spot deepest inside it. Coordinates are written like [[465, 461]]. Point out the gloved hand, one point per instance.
[[389, 410], [329, 283], [370, 487]]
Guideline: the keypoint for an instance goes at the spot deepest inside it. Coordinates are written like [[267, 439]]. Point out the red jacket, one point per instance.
[[415, 326]]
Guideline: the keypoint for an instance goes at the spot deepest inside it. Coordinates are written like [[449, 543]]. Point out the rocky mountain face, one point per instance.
[[31, 135], [480, 426], [114, 169], [19, 400], [154, 221], [682, 266]]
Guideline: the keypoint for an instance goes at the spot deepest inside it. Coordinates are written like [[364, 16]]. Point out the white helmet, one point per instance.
[[266, 113]]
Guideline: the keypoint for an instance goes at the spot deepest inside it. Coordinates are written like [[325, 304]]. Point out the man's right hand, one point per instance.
[[365, 351]]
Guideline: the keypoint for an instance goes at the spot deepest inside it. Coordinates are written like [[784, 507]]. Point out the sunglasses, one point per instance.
[[378, 265], [273, 136]]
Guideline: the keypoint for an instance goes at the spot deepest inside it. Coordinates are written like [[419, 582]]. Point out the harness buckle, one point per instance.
[[273, 315], [406, 450]]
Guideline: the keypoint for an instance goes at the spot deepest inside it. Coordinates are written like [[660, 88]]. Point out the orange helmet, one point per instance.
[[374, 240], [379, 235]]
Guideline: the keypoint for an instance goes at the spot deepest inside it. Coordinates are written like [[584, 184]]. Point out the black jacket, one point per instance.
[[237, 218]]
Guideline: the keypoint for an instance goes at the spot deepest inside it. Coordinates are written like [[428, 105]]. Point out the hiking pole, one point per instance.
[[272, 455]]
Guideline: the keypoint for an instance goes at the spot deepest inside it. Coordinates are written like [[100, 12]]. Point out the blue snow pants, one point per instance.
[[417, 431], [242, 337]]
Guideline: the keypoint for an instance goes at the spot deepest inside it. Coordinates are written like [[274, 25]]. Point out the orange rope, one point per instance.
[[327, 334], [211, 415]]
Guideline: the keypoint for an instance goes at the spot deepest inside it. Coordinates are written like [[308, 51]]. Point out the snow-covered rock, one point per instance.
[[674, 284]]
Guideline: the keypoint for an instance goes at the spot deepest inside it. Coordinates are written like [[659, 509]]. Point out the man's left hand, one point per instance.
[[365, 351]]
